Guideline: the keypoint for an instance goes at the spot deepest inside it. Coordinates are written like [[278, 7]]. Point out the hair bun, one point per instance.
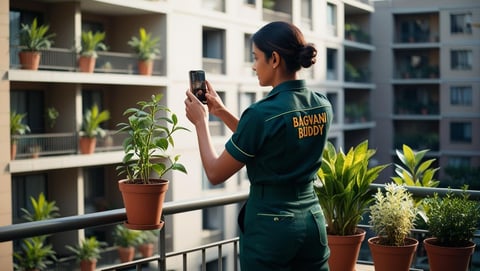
[[307, 55]]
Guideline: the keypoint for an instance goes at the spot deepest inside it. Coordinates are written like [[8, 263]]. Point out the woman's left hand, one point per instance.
[[195, 111]]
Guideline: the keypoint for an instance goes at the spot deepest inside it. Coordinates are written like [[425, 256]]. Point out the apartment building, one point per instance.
[[205, 34], [427, 81]]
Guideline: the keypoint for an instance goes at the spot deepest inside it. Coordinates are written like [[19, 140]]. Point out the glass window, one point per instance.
[[331, 19], [461, 95], [31, 103], [245, 99], [331, 64], [461, 132], [23, 188], [247, 48], [461, 23], [249, 2], [217, 128], [461, 59], [456, 161], [333, 98], [213, 50]]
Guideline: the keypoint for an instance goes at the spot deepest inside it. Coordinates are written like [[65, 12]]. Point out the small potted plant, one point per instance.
[[33, 39], [91, 43], [392, 217], [34, 255], [344, 193], [146, 242], [91, 128], [146, 48], [452, 221], [87, 253], [126, 240], [17, 127], [149, 129]]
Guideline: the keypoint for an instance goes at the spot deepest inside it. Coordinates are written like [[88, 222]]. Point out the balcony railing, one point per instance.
[[30, 229], [34, 145], [62, 59]]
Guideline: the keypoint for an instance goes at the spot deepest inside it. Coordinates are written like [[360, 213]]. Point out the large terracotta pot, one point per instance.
[[391, 258], [88, 265], [145, 67], [87, 144], [126, 254], [344, 251], [86, 63], [447, 258], [144, 203], [29, 60]]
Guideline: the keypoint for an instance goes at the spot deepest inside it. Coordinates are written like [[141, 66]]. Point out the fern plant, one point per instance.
[[343, 191]]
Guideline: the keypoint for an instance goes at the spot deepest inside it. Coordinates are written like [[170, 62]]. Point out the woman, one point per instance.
[[280, 139]]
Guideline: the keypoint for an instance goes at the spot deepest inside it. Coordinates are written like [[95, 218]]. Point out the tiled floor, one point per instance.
[[364, 267]]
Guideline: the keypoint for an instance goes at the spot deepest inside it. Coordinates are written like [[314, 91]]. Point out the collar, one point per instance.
[[290, 85]]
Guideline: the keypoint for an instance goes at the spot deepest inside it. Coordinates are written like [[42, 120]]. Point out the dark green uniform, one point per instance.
[[281, 139]]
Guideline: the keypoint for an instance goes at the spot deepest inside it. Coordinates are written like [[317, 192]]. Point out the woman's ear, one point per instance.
[[275, 59]]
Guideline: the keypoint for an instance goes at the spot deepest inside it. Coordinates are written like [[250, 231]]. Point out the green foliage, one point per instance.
[[42, 209], [92, 120], [344, 190], [92, 42], [34, 254], [414, 172], [452, 219], [34, 37], [392, 216], [89, 249], [148, 236], [51, 115], [17, 127], [149, 137], [145, 46], [125, 237]]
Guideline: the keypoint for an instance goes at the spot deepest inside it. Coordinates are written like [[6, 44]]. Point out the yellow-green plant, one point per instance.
[[88, 249], [92, 120], [34, 37], [343, 191], [392, 215], [92, 42], [412, 171], [125, 237], [145, 45], [17, 127]]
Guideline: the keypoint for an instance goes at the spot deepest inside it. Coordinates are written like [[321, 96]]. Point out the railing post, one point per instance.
[[162, 265]]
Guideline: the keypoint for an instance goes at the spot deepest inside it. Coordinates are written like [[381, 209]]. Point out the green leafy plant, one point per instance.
[[34, 37], [17, 127], [149, 137], [145, 46], [51, 115], [392, 215], [34, 255], [92, 120], [42, 209], [343, 192], [88, 249], [452, 219], [92, 42], [125, 237]]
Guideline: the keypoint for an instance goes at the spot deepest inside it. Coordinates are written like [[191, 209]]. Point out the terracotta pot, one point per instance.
[[13, 151], [87, 144], [126, 254], [86, 63], [344, 251], [88, 265], [391, 258], [447, 258], [145, 67], [29, 60], [144, 203], [146, 250]]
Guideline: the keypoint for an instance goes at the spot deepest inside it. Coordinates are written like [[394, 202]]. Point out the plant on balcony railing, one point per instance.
[[17, 127], [91, 128], [91, 43], [354, 33], [33, 38], [87, 252], [146, 48], [51, 116]]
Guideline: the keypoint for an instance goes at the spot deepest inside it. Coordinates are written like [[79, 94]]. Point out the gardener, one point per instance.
[[280, 139]]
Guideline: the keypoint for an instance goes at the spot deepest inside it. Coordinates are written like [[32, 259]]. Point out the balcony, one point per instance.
[[164, 259]]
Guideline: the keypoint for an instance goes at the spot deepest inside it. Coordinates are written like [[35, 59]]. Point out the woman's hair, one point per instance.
[[288, 41]]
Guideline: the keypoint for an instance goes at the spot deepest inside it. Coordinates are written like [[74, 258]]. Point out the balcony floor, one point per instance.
[[364, 267]]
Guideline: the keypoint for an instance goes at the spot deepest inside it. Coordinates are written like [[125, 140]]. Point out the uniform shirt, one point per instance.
[[281, 137]]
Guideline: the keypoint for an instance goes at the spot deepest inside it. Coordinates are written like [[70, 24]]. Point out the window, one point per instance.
[[24, 187], [461, 23], [331, 64], [459, 162], [461, 95], [461, 132], [461, 59], [306, 11], [217, 128], [32, 103], [213, 50], [331, 19], [333, 98], [249, 2], [245, 99], [247, 48]]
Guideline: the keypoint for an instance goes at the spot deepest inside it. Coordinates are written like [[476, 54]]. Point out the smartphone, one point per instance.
[[198, 86]]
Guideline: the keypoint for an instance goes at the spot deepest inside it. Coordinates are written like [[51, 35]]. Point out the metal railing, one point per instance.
[[30, 229]]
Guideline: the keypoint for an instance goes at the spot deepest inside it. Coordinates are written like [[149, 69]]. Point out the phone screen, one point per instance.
[[198, 85]]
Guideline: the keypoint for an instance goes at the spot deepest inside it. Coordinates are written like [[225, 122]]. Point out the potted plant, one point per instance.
[[87, 253], [146, 48], [33, 38], [146, 242], [392, 217], [91, 43], [51, 115], [149, 131], [34, 255], [126, 240], [17, 127], [452, 221], [343, 193], [91, 128]]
